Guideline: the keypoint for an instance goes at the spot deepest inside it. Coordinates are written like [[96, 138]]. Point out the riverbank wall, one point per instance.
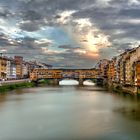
[[126, 89]]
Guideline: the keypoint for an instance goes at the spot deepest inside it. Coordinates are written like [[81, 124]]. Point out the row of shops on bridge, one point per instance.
[[63, 74], [18, 68]]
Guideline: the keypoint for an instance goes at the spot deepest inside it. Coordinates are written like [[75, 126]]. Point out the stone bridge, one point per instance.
[[60, 74]]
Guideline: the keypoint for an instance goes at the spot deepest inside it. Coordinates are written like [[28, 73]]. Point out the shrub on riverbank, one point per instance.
[[5, 88], [44, 82]]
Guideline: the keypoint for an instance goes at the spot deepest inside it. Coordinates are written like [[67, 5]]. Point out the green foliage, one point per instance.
[[44, 82], [5, 88]]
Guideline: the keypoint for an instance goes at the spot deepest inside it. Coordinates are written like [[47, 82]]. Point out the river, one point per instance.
[[68, 113]]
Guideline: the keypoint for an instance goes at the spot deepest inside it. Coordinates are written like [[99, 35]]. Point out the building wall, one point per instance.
[[103, 68], [13, 70], [137, 80], [19, 61], [133, 59], [111, 71], [8, 72], [25, 70], [18, 70], [3, 67], [117, 70], [128, 70], [124, 67]]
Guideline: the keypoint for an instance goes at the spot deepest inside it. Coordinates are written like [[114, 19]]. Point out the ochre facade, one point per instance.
[[61, 73]]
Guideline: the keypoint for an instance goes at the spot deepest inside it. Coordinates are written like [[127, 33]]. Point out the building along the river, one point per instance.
[[137, 74], [128, 69], [11, 69], [117, 70], [102, 67], [19, 61], [25, 69], [17, 68], [111, 71], [123, 70], [134, 57], [3, 64]]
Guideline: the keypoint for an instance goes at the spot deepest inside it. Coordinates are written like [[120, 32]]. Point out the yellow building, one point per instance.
[[18, 70], [125, 68], [137, 80], [3, 64], [128, 69], [19, 61], [134, 57], [111, 71]]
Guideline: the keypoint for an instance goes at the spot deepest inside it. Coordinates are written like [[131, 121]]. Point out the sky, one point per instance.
[[69, 33]]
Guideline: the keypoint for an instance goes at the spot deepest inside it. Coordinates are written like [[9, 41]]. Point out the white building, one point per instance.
[[10, 69], [25, 70]]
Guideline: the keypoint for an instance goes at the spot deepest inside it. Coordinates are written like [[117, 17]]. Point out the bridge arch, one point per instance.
[[89, 82]]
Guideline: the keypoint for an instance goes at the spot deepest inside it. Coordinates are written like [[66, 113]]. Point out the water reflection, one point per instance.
[[68, 82], [68, 113], [74, 82], [89, 83]]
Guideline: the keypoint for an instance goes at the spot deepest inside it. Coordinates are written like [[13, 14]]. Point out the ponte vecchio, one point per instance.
[[60, 74]]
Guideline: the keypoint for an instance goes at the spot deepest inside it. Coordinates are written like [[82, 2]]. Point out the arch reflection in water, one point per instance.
[[74, 82], [68, 82]]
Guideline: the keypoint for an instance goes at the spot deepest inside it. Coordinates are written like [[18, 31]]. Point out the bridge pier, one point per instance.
[[81, 81], [56, 82]]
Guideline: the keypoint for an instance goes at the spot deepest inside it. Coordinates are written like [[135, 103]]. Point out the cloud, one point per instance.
[[31, 26], [51, 51], [65, 46], [34, 44], [78, 31], [31, 15], [130, 21], [44, 42], [4, 13], [6, 41], [84, 29], [134, 13], [64, 17]]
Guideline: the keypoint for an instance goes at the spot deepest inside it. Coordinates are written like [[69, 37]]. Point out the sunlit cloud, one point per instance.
[[44, 42], [80, 51], [84, 32], [51, 51], [135, 44], [103, 3], [3, 50], [134, 2], [8, 29], [129, 21], [91, 37]]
